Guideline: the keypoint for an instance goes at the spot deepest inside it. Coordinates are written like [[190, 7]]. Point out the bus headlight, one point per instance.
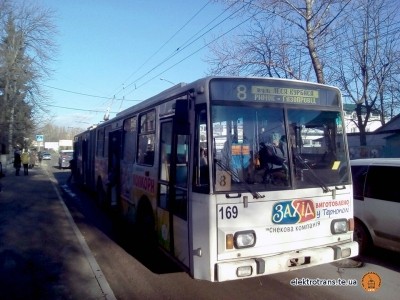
[[244, 239], [339, 226]]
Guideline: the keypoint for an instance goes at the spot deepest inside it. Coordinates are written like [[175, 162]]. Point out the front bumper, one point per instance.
[[285, 262]]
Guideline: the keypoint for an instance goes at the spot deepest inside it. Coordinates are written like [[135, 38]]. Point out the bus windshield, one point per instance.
[[268, 148]]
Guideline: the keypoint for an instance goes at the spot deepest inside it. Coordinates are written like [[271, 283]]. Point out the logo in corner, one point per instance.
[[371, 282]]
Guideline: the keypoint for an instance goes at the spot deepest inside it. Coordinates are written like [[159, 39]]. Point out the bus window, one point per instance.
[[129, 145], [239, 135], [202, 160], [182, 160], [317, 146], [165, 163], [165, 150], [100, 142], [146, 140]]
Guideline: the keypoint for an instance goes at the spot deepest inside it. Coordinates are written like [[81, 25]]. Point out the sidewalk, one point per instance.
[[42, 253]]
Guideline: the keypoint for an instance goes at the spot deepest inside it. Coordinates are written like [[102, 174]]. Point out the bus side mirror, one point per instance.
[[181, 119]]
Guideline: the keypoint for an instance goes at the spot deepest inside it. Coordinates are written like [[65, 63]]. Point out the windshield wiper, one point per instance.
[[235, 177], [324, 187]]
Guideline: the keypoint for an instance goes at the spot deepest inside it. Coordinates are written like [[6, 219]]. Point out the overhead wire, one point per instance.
[[87, 95], [163, 45], [188, 43], [79, 109], [181, 48], [198, 50]]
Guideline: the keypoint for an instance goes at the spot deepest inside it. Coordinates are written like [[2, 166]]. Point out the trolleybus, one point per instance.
[[233, 177]]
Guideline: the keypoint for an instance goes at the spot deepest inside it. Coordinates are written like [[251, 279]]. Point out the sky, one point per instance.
[[115, 53]]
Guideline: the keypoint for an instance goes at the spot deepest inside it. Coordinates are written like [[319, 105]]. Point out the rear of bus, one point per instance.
[[265, 216]]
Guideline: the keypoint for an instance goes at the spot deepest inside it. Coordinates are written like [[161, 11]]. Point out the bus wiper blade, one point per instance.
[[324, 187], [235, 176], [228, 170]]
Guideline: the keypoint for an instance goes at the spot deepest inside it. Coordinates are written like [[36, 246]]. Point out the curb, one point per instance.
[[98, 274]]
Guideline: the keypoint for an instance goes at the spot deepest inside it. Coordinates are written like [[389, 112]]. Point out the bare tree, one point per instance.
[[353, 44], [298, 31], [26, 49], [15, 72], [256, 53], [367, 67]]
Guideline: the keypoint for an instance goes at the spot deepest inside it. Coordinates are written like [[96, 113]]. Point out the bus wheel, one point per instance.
[[362, 237]]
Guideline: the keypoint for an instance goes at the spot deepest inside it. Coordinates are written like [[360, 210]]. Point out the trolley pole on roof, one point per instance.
[[163, 79]]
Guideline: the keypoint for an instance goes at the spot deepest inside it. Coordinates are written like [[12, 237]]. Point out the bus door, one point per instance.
[[172, 208], [114, 157]]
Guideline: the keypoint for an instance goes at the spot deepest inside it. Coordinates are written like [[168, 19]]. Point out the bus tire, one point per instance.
[[362, 237]]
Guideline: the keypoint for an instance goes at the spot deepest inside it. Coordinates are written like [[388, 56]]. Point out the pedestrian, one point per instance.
[[72, 165], [40, 157], [17, 161], [25, 159]]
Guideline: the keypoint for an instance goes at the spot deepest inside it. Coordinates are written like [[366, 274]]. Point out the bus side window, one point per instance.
[[204, 172], [129, 143], [146, 139], [202, 160]]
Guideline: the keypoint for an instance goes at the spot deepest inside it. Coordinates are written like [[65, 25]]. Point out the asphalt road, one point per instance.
[[42, 253], [135, 276]]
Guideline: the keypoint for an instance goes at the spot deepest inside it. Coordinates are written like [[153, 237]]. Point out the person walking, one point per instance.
[[40, 157], [25, 159], [72, 165], [17, 161]]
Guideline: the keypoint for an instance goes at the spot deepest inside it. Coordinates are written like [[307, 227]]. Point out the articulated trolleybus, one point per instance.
[[233, 177]]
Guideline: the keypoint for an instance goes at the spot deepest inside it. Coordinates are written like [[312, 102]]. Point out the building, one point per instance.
[[382, 141], [351, 119]]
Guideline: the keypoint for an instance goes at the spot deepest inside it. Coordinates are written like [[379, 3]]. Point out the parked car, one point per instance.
[[64, 158], [46, 156], [376, 203]]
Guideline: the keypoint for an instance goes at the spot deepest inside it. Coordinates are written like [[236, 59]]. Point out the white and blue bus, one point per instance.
[[196, 168]]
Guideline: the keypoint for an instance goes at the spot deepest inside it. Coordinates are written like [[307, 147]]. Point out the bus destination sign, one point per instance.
[[292, 93], [284, 95]]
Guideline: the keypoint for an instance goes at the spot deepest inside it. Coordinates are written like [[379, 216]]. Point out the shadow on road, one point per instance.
[[84, 208], [381, 257]]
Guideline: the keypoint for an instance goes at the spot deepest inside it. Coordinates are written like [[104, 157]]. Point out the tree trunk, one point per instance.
[[11, 130], [319, 73]]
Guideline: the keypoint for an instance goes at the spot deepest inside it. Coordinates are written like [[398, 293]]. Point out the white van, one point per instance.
[[376, 189], [65, 158]]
